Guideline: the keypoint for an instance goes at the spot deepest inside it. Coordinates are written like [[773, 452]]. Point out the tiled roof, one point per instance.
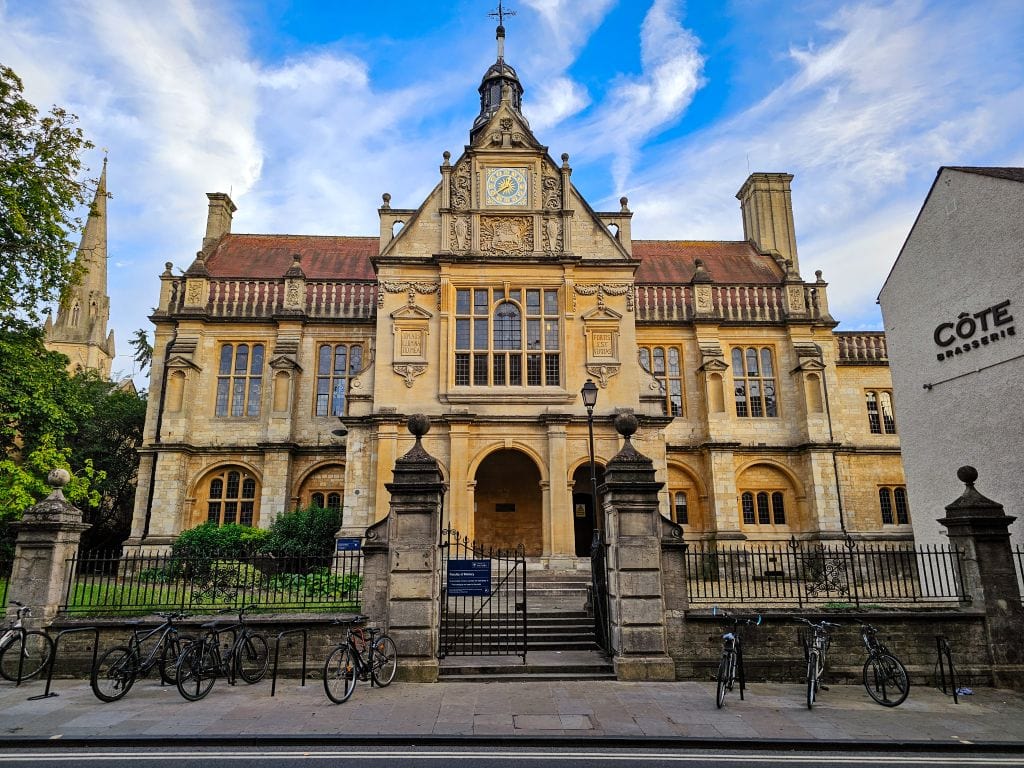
[[1010, 174], [265, 257], [671, 261], [268, 257]]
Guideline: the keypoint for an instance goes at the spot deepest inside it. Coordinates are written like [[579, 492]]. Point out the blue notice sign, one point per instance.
[[469, 578], [348, 545]]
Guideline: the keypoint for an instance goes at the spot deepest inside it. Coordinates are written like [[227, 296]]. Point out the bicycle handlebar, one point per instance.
[[820, 625], [754, 621], [23, 610]]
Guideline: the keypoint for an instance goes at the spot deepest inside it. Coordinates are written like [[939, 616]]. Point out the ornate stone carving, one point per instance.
[[795, 295], [194, 292], [552, 235], [552, 190], [506, 235], [411, 288], [409, 371], [702, 298], [292, 296], [603, 372], [611, 289], [506, 123], [459, 234], [462, 186]]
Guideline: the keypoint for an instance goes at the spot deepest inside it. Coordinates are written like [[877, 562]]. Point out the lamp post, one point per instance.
[[589, 395]]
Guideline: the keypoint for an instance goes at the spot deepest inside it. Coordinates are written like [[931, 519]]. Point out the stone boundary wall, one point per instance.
[[771, 651]]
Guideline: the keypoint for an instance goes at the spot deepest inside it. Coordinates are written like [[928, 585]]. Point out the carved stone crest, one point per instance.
[[702, 298], [506, 235], [409, 371]]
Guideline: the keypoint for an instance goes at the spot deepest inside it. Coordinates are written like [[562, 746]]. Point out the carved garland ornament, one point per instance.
[[411, 288], [506, 235], [462, 186], [552, 191], [612, 289]]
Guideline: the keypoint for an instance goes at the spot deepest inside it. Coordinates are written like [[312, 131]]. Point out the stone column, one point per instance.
[[48, 536], [979, 528], [633, 529], [413, 568]]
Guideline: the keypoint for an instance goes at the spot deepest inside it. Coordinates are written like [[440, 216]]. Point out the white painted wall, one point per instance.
[[964, 254]]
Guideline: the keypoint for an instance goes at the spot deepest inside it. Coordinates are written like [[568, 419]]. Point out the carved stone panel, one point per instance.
[[552, 190], [506, 235], [552, 235], [462, 186]]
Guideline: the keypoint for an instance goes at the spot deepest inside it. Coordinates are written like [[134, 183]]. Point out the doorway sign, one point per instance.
[[469, 578]]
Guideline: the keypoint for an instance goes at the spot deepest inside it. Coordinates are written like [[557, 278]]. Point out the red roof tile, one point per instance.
[[671, 261], [265, 257]]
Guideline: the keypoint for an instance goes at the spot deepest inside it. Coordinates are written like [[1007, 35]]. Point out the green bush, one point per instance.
[[306, 534], [209, 541], [318, 583]]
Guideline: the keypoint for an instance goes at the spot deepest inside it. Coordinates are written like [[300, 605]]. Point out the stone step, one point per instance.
[[540, 665]]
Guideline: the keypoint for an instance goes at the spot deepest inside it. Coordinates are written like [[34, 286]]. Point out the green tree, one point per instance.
[[40, 190], [143, 349]]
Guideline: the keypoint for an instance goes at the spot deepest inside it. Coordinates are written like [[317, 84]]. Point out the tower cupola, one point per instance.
[[497, 76]]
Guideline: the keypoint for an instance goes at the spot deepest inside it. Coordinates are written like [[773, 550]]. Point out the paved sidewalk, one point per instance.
[[633, 712]]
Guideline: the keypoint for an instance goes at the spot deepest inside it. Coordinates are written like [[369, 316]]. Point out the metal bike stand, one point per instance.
[[54, 642], [277, 652], [945, 652]]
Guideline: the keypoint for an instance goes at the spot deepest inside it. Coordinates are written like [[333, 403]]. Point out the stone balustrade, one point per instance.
[[862, 347], [263, 298], [741, 303]]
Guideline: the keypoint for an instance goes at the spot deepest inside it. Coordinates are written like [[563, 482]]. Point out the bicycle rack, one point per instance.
[[54, 643], [945, 656], [277, 652]]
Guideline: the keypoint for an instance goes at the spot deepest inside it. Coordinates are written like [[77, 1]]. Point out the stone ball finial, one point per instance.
[[386, 197], [58, 478], [565, 158], [168, 266], [626, 424], [447, 156], [967, 475], [419, 424], [817, 275]]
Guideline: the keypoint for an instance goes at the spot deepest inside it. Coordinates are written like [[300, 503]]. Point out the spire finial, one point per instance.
[[500, 13]]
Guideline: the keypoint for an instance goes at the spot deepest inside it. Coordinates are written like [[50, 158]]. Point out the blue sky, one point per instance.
[[307, 111]]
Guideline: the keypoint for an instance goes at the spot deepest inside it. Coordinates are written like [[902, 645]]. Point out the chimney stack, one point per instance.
[[218, 219], [768, 214]]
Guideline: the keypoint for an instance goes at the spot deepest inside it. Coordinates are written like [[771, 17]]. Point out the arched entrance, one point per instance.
[[584, 519], [508, 503]]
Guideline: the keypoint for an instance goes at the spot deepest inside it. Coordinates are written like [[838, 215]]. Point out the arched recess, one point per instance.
[[586, 515], [323, 485], [175, 391], [226, 493], [771, 501], [688, 501], [508, 502]]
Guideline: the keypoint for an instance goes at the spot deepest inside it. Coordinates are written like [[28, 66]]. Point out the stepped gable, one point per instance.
[[671, 261], [268, 257]]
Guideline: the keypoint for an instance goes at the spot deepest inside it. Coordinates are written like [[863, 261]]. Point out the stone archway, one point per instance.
[[584, 517], [508, 503]]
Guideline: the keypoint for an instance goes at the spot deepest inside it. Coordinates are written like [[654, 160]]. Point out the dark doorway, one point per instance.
[[583, 515]]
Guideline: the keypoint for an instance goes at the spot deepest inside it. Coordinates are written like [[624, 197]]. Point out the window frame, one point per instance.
[[647, 354], [879, 423], [229, 377], [893, 505], [763, 508], [746, 382], [244, 505], [491, 350], [332, 376]]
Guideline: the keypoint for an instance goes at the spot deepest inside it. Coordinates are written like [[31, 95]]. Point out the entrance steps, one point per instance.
[[561, 639]]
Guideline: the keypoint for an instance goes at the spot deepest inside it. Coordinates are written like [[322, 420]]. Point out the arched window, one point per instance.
[[881, 419], [747, 503], [665, 365], [317, 500], [333, 501], [753, 375], [892, 503], [763, 514], [778, 508], [680, 508], [231, 497]]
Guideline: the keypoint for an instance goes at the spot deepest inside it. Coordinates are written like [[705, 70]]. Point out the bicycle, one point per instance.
[[116, 671], [885, 677], [816, 653], [730, 668], [363, 654], [246, 656], [24, 653]]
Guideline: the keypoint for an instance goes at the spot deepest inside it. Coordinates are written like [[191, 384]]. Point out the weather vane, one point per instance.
[[500, 14]]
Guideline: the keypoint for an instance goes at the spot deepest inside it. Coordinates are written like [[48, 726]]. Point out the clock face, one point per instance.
[[506, 186]]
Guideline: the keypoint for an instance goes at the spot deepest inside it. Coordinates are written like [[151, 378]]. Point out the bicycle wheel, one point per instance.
[[339, 674], [385, 661], [197, 670], [251, 658], [114, 673], [812, 676], [25, 657], [170, 652], [885, 680], [724, 672]]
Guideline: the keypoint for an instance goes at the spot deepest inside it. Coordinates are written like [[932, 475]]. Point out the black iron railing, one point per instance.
[[101, 584], [804, 573]]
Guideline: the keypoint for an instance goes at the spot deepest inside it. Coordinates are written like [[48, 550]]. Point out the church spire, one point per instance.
[[80, 331], [497, 77]]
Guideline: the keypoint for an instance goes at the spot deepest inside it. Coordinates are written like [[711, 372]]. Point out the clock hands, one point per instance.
[[505, 185]]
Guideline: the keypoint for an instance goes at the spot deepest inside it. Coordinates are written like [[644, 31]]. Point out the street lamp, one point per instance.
[[589, 395]]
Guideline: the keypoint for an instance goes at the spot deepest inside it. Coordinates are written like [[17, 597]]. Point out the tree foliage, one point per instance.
[[143, 349], [40, 190]]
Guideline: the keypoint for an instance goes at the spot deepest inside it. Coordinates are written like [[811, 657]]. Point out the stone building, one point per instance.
[[487, 306], [952, 307], [83, 317]]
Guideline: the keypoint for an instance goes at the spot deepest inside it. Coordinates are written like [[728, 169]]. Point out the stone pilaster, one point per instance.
[[413, 584], [48, 537], [980, 529], [633, 528]]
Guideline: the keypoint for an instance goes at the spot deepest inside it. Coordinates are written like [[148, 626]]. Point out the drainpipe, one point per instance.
[[835, 463], [159, 428]]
